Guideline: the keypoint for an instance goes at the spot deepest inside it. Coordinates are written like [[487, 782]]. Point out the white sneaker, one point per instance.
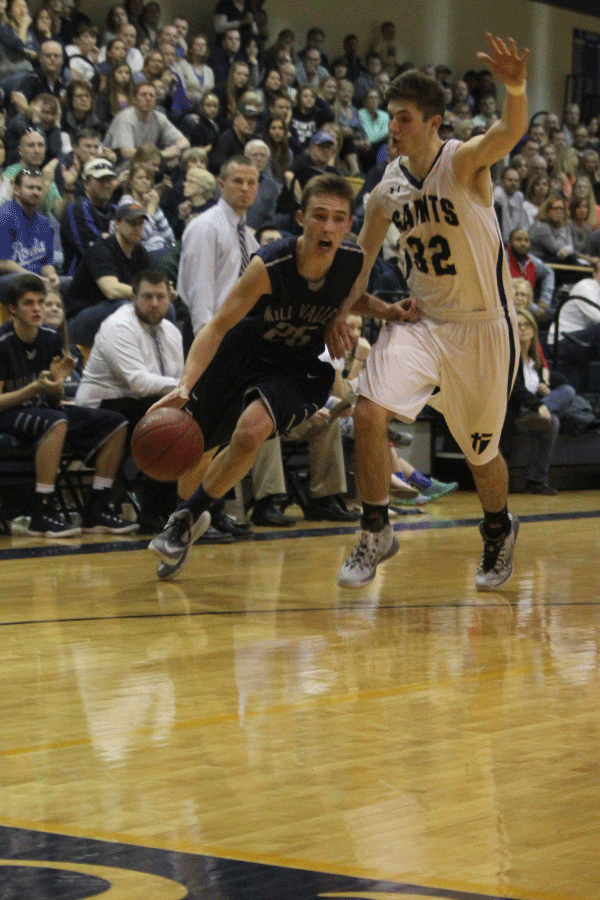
[[497, 562], [174, 543], [372, 548]]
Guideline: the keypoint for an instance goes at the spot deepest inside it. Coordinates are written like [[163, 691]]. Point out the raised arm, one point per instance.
[[477, 154]]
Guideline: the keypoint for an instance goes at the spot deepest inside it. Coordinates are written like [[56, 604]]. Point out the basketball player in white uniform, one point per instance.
[[461, 337]]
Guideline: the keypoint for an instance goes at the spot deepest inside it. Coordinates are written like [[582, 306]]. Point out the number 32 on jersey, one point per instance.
[[433, 257]]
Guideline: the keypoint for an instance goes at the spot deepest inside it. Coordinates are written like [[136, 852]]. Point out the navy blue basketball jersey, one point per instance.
[[21, 363], [289, 323]]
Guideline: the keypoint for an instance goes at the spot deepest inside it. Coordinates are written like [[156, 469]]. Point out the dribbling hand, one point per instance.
[[176, 399]]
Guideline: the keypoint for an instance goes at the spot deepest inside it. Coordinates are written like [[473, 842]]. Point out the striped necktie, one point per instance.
[[241, 230], [159, 350]]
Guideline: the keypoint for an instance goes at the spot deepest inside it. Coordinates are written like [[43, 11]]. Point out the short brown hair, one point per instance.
[[332, 185], [422, 90], [152, 275], [240, 160], [21, 285]]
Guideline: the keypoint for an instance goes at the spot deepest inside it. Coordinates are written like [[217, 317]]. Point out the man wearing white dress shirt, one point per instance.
[[137, 354], [211, 252], [137, 357], [212, 260], [581, 321]]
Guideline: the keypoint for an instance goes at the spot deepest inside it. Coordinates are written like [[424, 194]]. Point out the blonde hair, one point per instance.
[[524, 285], [205, 180], [567, 161], [194, 156], [592, 218], [533, 351]]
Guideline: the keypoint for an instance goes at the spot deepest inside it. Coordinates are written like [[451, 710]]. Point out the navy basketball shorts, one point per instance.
[[88, 429], [291, 390]]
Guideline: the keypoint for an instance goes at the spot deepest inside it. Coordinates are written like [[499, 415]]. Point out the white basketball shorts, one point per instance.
[[472, 363]]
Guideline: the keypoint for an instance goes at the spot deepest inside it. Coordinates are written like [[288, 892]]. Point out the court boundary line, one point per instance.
[[293, 610], [11, 553]]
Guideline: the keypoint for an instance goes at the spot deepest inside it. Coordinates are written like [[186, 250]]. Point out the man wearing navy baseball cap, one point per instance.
[[314, 161], [103, 277]]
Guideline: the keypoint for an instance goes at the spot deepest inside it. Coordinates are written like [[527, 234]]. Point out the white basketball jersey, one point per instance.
[[459, 270]]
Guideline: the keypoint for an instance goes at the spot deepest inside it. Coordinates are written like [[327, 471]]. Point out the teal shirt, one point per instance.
[[375, 130]]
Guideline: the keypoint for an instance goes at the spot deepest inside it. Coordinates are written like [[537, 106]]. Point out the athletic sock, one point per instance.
[[43, 497], [496, 524], [419, 481], [375, 516], [198, 502]]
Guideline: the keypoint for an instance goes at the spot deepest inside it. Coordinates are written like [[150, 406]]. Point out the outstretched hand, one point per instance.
[[505, 62]]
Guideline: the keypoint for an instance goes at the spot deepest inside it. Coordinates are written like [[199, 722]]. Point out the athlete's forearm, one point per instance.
[[514, 120], [205, 345], [369, 305]]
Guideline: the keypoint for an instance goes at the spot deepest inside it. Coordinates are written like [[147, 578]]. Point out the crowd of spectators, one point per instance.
[[114, 136]]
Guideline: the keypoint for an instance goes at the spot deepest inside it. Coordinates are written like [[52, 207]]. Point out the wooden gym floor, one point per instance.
[[250, 730]]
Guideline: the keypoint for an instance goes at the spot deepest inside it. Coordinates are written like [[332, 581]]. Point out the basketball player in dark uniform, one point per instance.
[[32, 371], [253, 371]]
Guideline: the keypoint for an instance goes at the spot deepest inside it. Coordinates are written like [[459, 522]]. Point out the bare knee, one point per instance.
[[251, 433]]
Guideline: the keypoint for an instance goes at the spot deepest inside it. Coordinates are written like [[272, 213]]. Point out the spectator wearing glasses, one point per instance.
[[45, 80], [315, 40], [79, 110], [549, 234], [538, 399], [309, 70], [367, 79]]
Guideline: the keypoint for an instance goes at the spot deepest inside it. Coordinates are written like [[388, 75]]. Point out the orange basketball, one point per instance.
[[165, 443]]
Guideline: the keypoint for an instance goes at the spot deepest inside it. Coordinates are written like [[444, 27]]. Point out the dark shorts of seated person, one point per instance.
[[88, 429], [292, 391]]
